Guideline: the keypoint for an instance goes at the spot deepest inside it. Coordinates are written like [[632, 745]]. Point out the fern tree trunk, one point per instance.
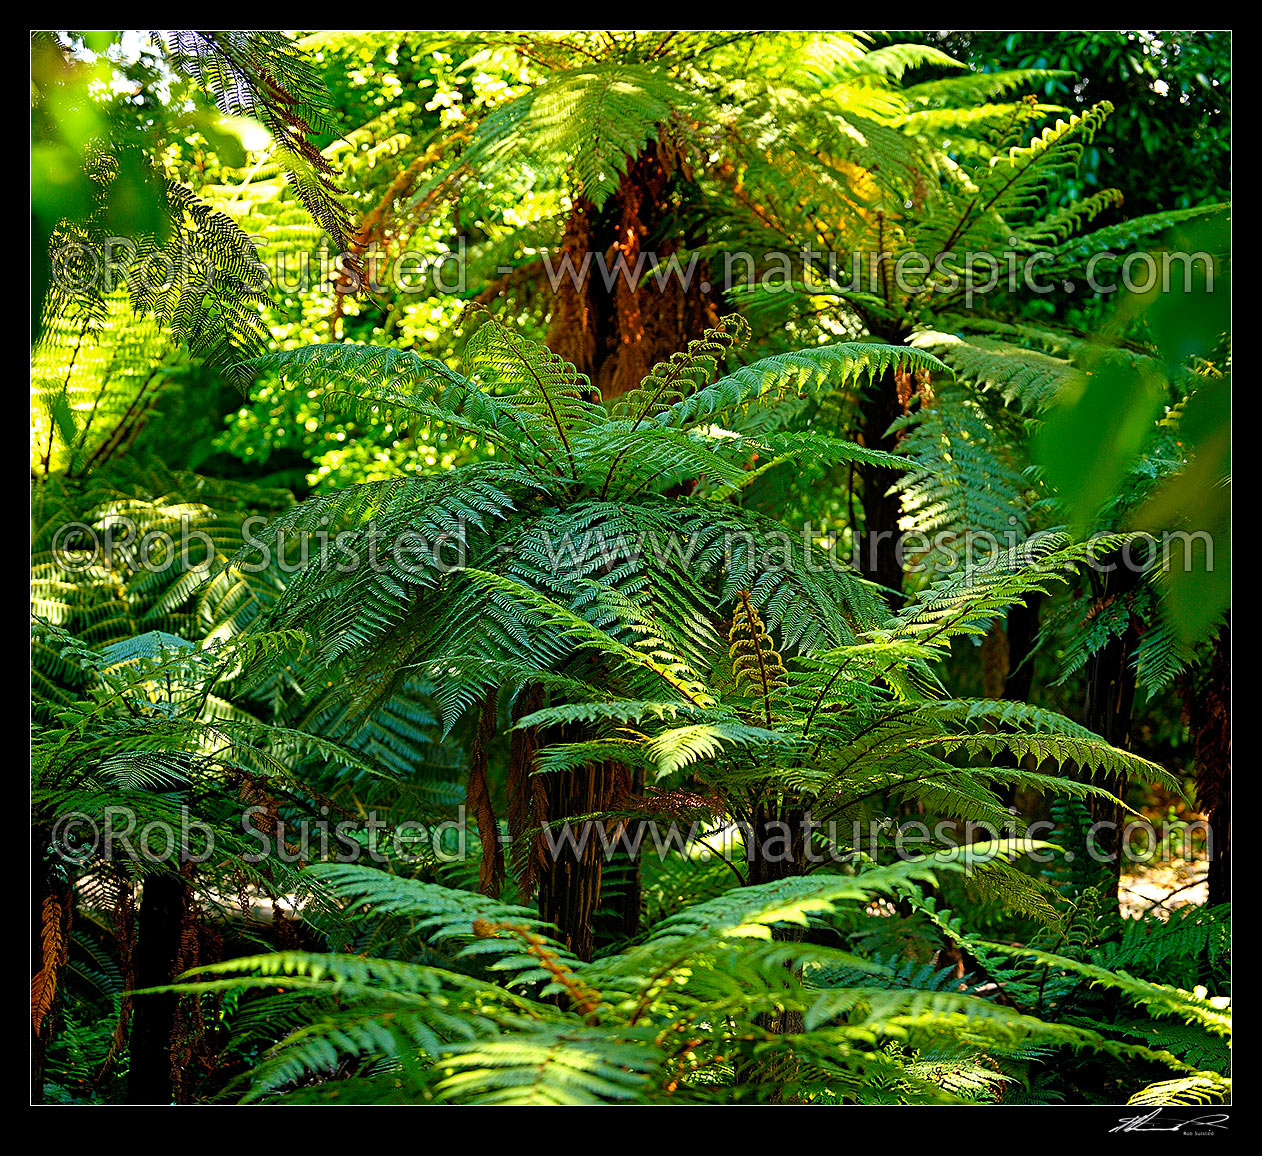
[[615, 333], [1016, 681], [572, 869], [777, 851], [878, 555], [778, 844], [622, 893], [158, 933], [1107, 710], [1022, 630], [555, 842]]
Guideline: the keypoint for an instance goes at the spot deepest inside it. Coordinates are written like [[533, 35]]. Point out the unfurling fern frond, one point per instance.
[[683, 374], [753, 655]]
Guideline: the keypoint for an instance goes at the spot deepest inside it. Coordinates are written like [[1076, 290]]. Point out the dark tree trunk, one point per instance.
[[619, 915], [1110, 697], [1107, 709], [572, 863], [777, 847], [566, 859], [616, 333], [1023, 629], [877, 547], [1220, 841], [1018, 681], [1208, 706], [776, 850], [159, 924]]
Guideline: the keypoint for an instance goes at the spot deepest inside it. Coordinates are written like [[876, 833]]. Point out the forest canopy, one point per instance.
[[631, 567]]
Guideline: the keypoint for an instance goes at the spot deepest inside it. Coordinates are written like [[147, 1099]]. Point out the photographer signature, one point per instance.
[[1143, 1123]]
